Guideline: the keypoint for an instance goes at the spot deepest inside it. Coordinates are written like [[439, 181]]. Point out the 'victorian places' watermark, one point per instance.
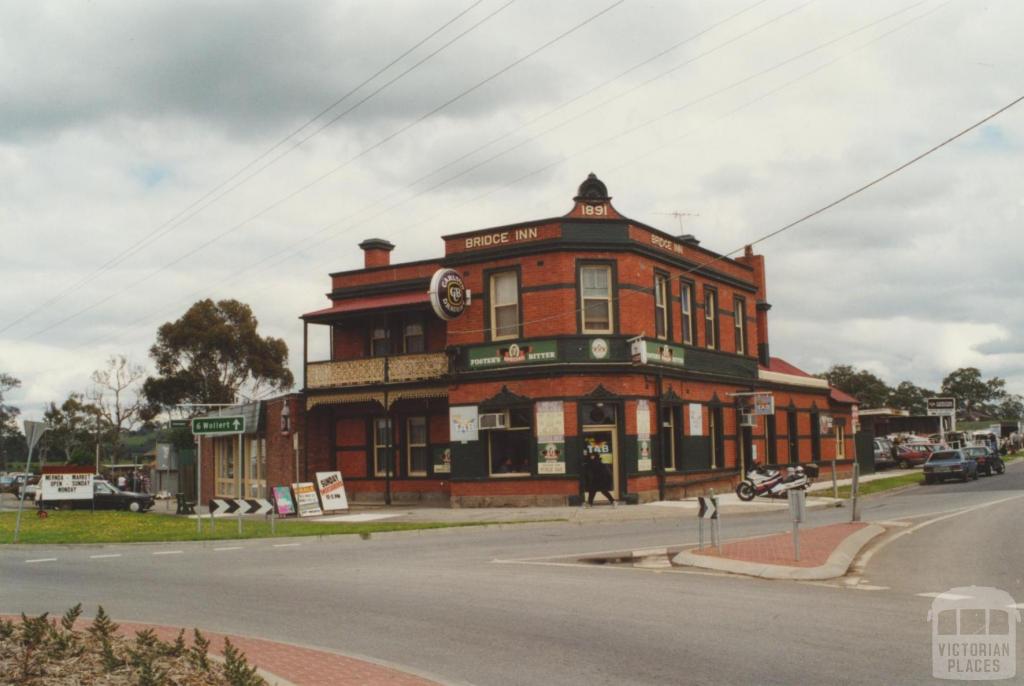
[[974, 634]]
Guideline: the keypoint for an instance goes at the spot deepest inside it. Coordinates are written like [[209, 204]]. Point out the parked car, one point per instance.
[[950, 464], [106, 496], [913, 454], [989, 461], [884, 453], [31, 487], [15, 482]]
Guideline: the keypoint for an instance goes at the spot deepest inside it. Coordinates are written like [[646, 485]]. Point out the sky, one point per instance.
[[154, 154]]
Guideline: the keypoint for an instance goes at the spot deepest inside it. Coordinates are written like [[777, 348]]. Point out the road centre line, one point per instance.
[[41, 559], [168, 552], [286, 545], [230, 547], [100, 557]]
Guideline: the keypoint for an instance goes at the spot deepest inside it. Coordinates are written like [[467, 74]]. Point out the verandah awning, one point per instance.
[[372, 302]]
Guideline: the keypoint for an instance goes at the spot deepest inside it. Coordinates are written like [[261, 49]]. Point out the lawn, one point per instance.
[[877, 486], [127, 527]]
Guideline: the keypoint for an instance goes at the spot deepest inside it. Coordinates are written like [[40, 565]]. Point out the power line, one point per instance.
[[177, 220], [320, 178]]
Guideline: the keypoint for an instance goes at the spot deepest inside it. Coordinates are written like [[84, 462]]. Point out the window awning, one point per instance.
[[344, 398], [372, 302]]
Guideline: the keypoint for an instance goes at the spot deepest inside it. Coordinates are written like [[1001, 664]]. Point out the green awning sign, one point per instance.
[[218, 425]]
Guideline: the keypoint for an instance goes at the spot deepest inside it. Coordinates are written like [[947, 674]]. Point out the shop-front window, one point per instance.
[[669, 443], [596, 294], [511, 449], [381, 446], [686, 307], [660, 306], [504, 305], [416, 446]]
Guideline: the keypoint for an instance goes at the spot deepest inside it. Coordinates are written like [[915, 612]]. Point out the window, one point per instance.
[[840, 442], [504, 305], [815, 437], [660, 306], [416, 445], [717, 437], [412, 337], [381, 446], [686, 306], [226, 468], [255, 482], [596, 294], [668, 437], [794, 441], [710, 319], [739, 318], [511, 449], [771, 436], [380, 339]]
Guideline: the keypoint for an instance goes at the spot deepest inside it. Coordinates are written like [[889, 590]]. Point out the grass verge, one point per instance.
[[877, 486], [127, 527]]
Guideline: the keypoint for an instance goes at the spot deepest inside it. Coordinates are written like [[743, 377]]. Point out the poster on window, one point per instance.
[[332, 491], [643, 460], [283, 503], [696, 420], [551, 457], [463, 425], [442, 457], [307, 502], [550, 421]]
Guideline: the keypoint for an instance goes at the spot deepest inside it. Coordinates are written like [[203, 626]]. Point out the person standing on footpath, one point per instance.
[[599, 478]]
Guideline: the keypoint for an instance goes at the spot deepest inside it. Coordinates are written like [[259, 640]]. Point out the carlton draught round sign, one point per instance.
[[447, 294]]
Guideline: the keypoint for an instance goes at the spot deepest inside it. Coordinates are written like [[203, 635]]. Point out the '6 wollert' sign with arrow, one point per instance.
[[218, 425]]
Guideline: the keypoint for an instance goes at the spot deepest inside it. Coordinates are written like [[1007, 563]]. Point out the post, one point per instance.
[[835, 486], [210, 509], [700, 532], [239, 522], [855, 491], [387, 423], [658, 421], [716, 522], [273, 521], [199, 486], [33, 432], [797, 509]]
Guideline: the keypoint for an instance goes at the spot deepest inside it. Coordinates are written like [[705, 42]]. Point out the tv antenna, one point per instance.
[[679, 217]]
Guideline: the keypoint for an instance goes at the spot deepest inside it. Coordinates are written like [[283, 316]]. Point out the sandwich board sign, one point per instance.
[[332, 491], [306, 499]]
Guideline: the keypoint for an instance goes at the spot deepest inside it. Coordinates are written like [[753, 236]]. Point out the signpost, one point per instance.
[[202, 426], [33, 432], [708, 510], [943, 408]]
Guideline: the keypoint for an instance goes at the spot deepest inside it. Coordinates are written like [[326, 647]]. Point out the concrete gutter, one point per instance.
[[837, 565]]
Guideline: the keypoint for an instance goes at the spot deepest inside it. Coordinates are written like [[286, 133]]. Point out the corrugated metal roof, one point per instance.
[[373, 302]]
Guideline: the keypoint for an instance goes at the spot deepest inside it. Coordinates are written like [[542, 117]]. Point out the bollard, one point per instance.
[[273, 520], [239, 523], [211, 521], [854, 492]]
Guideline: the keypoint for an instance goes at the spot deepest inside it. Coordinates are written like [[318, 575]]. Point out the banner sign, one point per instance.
[[66, 486], [511, 354], [305, 499], [283, 501], [550, 437], [332, 491], [463, 425], [696, 420], [652, 352], [442, 459]]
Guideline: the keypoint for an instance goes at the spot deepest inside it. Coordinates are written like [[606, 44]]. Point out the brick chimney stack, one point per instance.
[[756, 262], [376, 252]]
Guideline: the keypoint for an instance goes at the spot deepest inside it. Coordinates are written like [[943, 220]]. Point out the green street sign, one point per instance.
[[218, 425], [180, 423]]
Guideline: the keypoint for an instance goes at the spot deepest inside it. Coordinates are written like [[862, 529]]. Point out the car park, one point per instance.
[[949, 464], [989, 461], [105, 497]]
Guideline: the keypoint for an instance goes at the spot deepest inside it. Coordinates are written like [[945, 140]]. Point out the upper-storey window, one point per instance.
[[504, 305], [710, 318], [412, 336], [660, 306], [380, 338], [686, 307], [596, 296], [739, 319]]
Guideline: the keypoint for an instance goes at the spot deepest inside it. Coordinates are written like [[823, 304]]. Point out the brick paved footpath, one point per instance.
[[816, 544], [295, 664]]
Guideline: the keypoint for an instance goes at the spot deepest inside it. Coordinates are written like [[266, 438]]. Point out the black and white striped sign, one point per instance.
[[224, 506], [708, 508]]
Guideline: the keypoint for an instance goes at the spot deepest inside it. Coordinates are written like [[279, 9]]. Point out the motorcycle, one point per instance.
[[761, 481]]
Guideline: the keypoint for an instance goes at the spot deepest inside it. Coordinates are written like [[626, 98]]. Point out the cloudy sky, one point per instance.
[[152, 154]]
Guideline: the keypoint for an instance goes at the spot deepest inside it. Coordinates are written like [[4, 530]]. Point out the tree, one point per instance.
[[112, 395], [9, 431], [212, 353], [76, 428], [907, 396], [870, 390], [1012, 407], [976, 399]]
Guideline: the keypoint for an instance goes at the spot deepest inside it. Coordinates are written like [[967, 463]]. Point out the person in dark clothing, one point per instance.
[[599, 478]]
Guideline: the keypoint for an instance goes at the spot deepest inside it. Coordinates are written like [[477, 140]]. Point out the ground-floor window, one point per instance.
[[840, 442], [794, 440], [416, 446], [671, 435], [771, 437], [226, 467], [382, 446], [815, 437], [717, 436], [254, 483], [510, 450]]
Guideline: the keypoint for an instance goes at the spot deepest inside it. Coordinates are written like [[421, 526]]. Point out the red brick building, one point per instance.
[[585, 332]]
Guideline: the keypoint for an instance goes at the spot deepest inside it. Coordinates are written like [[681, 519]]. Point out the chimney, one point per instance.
[[756, 262], [376, 252]]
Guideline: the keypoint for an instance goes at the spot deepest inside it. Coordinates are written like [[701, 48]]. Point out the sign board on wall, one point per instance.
[[550, 437], [283, 503], [652, 352], [825, 424], [764, 404], [442, 455], [511, 354], [66, 486], [448, 295], [463, 423], [305, 499], [696, 420], [332, 491]]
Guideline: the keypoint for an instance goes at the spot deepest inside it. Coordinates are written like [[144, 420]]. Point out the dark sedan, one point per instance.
[[988, 459], [950, 464], [105, 497]]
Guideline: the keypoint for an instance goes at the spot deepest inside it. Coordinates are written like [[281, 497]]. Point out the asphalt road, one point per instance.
[[514, 605]]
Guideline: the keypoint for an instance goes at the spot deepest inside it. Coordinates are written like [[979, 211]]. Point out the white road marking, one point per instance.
[[169, 552], [286, 545], [100, 557], [356, 518], [230, 547], [41, 559], [945, 596]]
